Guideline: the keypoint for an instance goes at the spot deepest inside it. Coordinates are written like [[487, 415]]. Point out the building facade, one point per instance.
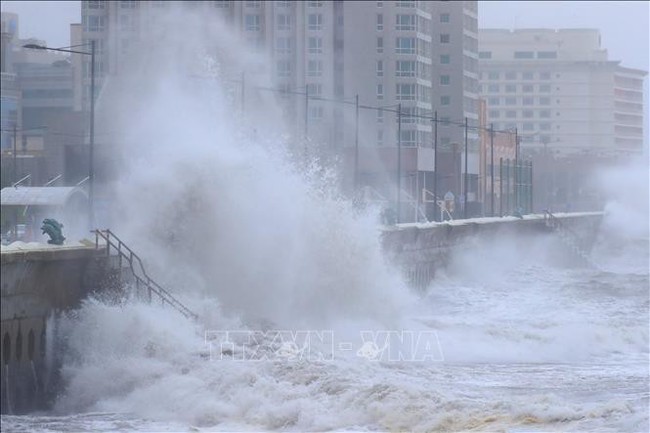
[[561, 92], [416, 56]]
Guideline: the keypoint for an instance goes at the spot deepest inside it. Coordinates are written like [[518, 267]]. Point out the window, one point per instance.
[[315, 21], [444, 18], [315, 68], [314, 89], [527, 88], [405, 45], [424, 48], [283, 45], [380, 22], [315, 113], [405, 22], [405, 4], [545, 114], [127, 23], [405, 68], [444, 59], [408, 138], [380, 68], [524, 55], [380, 137], [380, 91], [380, 116], [380, 4], [315, 4], [284, 68], [445, 100], [545, 75], [528, 114], [95, 4], [380, 45], [424, 71], [315, 45], [444, 80], [47, 93], [545, 101], [527, 75], [511, 114], [444, 38], [494, 114], [493, 88], [128, 4], [485, 54], [545, 88], [528, 101], [125, 45], [545, 126], [493, 75], [547, 54], [283, 4], [511, 88], [494, 101], [511, 100], [408, 114], [405, 92], [252, 23], [95, 23], [254, 4], [511, 75], [283, 21]]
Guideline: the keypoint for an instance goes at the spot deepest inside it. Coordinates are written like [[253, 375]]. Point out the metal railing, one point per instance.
[[139, 273], [569, 237]]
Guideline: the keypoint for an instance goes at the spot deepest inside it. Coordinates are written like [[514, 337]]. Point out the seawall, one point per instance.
[[38, 284], [423, 249]]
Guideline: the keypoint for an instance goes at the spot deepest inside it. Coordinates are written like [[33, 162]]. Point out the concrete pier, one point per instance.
[[422, 249]]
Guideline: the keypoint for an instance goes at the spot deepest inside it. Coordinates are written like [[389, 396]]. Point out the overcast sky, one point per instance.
[[624, 25]]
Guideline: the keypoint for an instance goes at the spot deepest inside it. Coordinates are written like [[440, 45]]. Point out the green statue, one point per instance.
[[53, 228]]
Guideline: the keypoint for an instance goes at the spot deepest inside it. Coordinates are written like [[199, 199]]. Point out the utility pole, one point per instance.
[[399, 159], [501, 186], [530, 175], [356, 144], [306, 110], [243, 91], [466, 175], [491, 169], [435, 166], [516, 177], [15, 161], [91, 162]]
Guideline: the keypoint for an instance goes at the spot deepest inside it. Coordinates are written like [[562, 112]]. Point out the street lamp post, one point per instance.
[[91, 150]]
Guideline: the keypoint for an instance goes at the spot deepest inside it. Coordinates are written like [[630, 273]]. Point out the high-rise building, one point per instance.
[[418, 55], [561, 92]]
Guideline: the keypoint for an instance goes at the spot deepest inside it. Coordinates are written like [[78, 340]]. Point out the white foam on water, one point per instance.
[[251, 242]]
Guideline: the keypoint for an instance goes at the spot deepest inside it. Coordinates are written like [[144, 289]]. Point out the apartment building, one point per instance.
[[561, 92], [419, 56]]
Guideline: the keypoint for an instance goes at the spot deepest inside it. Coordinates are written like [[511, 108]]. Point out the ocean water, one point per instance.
[[524, 347], [501, 341]]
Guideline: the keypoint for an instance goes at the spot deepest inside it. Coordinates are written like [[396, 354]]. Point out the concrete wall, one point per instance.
[[422, 249], [37, 286]]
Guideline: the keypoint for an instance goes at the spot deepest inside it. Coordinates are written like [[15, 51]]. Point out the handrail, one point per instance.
[[555, 223], [122, 250]]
